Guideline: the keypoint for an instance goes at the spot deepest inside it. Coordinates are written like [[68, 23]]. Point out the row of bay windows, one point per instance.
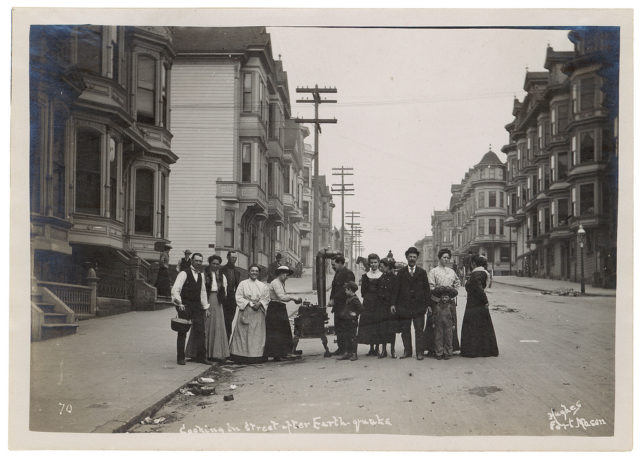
[[255, 99], [580, 203], [96, 165], [98, 180], [585, 96], [586, 147], [271, 176], [99, 50], [483, 199]]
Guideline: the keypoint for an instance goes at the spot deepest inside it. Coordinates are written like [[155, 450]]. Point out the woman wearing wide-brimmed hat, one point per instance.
[[279, 341]]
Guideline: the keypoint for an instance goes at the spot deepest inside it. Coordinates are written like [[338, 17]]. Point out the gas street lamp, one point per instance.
[[582, 236]]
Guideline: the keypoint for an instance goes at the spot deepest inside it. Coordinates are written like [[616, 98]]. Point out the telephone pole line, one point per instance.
[[315, 92], [353, 215], [344, 189]]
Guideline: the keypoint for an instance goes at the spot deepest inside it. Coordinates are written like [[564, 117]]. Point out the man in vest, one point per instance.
[[190, 297]]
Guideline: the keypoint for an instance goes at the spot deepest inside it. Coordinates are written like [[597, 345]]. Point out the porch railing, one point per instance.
[[76, 297]]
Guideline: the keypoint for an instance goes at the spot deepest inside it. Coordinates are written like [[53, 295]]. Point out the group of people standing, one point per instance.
[[246, 320], [393, 303]]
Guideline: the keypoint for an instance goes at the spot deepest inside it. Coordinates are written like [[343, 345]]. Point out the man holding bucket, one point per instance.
[[190, 298]]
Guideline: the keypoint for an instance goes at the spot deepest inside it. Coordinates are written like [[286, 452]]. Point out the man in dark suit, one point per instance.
[[232, 274], [412, 298], [338, 299]]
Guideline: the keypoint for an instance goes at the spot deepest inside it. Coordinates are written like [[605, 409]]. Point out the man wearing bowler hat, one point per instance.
[[411, 302]]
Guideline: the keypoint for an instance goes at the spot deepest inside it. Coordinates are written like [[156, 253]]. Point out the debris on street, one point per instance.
[[562, 292]]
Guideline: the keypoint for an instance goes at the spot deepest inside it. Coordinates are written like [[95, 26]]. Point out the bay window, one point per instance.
[[563, 166], [89, 56], [229, 228], [35, 155], [58, 172], [587, 93], [88, 171], [247, 87], [587, 200], [246, 163], [146, 90], [144, 202], [587, 147]]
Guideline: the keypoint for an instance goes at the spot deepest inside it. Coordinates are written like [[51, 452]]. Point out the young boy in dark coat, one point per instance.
[[352, 309]]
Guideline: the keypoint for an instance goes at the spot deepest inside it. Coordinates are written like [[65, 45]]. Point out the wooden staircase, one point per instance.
[[49, 318]]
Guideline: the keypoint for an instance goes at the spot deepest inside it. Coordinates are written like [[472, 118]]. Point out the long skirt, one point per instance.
[[163, 283], [371, 322], [215, 333], [478, 335], [279, 341], [429, 331], [248, 339]]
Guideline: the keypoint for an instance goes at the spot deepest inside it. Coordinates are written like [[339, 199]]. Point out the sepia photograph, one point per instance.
[[321, 229]]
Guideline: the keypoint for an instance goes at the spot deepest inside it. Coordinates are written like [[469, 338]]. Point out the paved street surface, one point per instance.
[[556, 353]]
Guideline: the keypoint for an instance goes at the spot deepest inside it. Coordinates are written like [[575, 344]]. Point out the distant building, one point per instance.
[[478, 205], [442, 232], [427, 258]]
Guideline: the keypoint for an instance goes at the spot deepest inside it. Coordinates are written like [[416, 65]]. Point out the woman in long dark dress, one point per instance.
[[279, 341], [389, 325], [372, 315], [478, 336]]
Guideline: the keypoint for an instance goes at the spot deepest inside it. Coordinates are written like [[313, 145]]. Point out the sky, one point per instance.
[[416, 109]]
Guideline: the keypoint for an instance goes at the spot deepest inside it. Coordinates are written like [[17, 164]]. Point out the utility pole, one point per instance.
[[353, 215], [316, 91], [343, 189]]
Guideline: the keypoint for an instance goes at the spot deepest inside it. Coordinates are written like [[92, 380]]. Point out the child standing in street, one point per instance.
[[443, 298], [353, 308]]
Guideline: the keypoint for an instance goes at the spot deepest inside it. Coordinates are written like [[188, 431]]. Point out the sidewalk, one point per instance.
[[113, 369], [545, 284], [110, 371]]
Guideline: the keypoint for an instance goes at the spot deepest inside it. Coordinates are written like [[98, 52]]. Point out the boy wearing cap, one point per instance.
[[349, 316]]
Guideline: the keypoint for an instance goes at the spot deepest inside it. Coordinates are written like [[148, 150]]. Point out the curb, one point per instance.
[[542, 289], [154, 408]]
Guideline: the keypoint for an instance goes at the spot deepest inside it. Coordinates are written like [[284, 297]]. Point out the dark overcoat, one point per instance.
[[338, 293], [412, 293]]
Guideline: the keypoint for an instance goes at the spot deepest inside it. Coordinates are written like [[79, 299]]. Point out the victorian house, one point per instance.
[[562, 162], [100, 157], [239, 184], [478, 208]]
